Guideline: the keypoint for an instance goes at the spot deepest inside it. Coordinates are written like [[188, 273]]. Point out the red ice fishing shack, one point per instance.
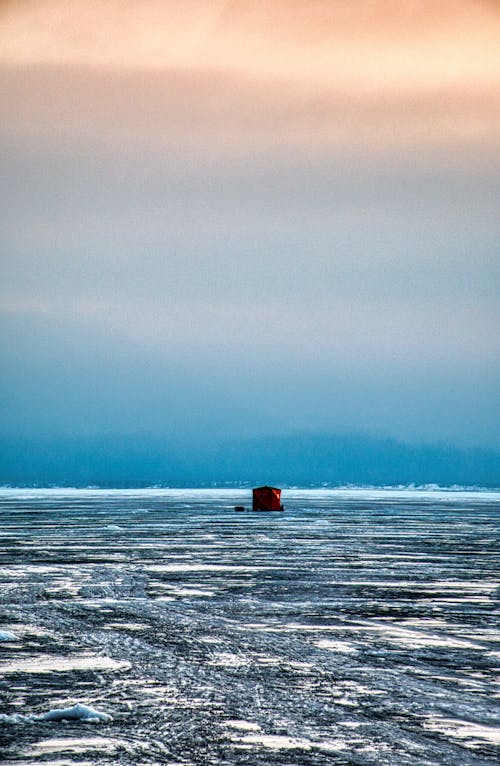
[[267, 499]]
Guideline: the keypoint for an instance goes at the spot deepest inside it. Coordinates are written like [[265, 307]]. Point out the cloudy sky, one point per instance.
[[232, 218]]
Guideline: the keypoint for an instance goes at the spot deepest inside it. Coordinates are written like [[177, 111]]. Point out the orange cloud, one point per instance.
[[226, 113], [370, 44], [251, 73]]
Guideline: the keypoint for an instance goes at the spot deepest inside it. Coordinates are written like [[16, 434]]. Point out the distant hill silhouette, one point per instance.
[[300, 459]]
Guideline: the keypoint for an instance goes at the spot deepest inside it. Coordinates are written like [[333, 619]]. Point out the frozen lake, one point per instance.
[[357, 627]]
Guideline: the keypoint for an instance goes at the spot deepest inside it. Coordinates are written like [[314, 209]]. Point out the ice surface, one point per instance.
[[359, 627], [6, 635]]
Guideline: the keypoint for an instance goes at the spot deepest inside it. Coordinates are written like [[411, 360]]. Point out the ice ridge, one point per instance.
[[77, 712]]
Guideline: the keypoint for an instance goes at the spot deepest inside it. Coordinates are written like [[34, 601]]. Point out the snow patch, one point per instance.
[[336, 646], [279, 742], [242, 725], [229, 660], [475, 734], [50, 664], [74, 746]]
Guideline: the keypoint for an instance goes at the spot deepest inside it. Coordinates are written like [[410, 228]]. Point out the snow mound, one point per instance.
[[78, 712], [18, 718]]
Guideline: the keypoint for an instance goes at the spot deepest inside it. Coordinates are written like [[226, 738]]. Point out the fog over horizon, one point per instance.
[[236, 220]]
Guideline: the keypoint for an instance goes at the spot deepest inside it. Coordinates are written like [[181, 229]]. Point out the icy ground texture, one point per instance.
[[354, 628]]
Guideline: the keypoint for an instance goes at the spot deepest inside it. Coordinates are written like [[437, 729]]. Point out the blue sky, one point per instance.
[[214, 224]]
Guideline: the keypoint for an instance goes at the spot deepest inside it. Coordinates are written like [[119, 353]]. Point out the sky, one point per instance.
[[239, 218]]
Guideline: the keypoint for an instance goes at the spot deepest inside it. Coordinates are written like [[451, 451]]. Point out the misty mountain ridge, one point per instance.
[[307, 459]]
